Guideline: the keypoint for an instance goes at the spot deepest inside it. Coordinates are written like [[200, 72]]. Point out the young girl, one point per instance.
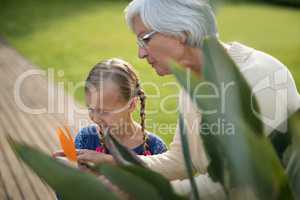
[[112, 91]]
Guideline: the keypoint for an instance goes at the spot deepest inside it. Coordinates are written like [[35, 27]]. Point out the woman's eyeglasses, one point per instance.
[[144, 40]]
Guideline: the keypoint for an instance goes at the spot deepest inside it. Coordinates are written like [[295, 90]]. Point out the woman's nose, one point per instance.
[[142, 52]]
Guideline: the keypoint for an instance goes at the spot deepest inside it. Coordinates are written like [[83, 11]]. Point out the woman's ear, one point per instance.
[[133, 104]]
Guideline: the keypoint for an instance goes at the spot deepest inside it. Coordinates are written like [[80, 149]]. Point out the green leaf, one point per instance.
[[192, 84], [161, 184], [221, 70], [236, 159], [187, 157], [293, 166], [293, 170], [123, 155], [130, 183], [70, 183]]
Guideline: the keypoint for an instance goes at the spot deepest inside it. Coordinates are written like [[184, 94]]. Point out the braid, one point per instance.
[[142, 97], [103, 148]]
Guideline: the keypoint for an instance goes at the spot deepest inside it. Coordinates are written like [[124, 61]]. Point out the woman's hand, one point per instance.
[[90, 156]]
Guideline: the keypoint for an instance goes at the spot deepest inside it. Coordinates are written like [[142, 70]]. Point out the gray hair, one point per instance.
[[192, 18]]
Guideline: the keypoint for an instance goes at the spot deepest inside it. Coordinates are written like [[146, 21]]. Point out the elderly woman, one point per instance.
[[174, 30]]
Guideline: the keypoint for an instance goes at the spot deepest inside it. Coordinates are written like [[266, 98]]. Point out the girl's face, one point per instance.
[[107, 108]]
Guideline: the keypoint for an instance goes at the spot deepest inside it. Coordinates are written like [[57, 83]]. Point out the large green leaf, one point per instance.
[[191, 82], [293, 166], [187, 157], [122, 154], [156, 180], [70, 183], [269, 177], [236, 160], [137, 187], [221, 70]]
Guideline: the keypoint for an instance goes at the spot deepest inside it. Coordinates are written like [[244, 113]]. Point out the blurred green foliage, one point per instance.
[[289, 3], [74, 35]]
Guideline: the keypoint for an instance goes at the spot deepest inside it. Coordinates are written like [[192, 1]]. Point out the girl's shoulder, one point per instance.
[[156, 144], [90, 130], [87, 138]]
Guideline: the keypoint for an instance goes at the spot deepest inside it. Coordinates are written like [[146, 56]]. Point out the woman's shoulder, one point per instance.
[[248, 58], [156, 144]]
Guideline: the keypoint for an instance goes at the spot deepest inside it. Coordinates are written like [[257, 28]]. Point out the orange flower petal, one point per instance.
[[67, 130], [67, 144]]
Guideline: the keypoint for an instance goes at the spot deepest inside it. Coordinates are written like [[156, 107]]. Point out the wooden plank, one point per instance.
[[17, 181], [18, 119], [34, 182], [3, 189], [8, 176], [55, 121], [31, 124], [15, 125], [9, 173], [20, 176], [37, 187]]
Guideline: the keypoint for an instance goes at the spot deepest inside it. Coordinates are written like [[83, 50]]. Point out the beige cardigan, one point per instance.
[[277, 96]]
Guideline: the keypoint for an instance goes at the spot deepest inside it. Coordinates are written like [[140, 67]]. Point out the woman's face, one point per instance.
[[160, 49], [107, 108]]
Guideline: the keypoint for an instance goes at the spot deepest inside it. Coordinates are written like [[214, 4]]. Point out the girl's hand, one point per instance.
[[90, 156], [59, 153]]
